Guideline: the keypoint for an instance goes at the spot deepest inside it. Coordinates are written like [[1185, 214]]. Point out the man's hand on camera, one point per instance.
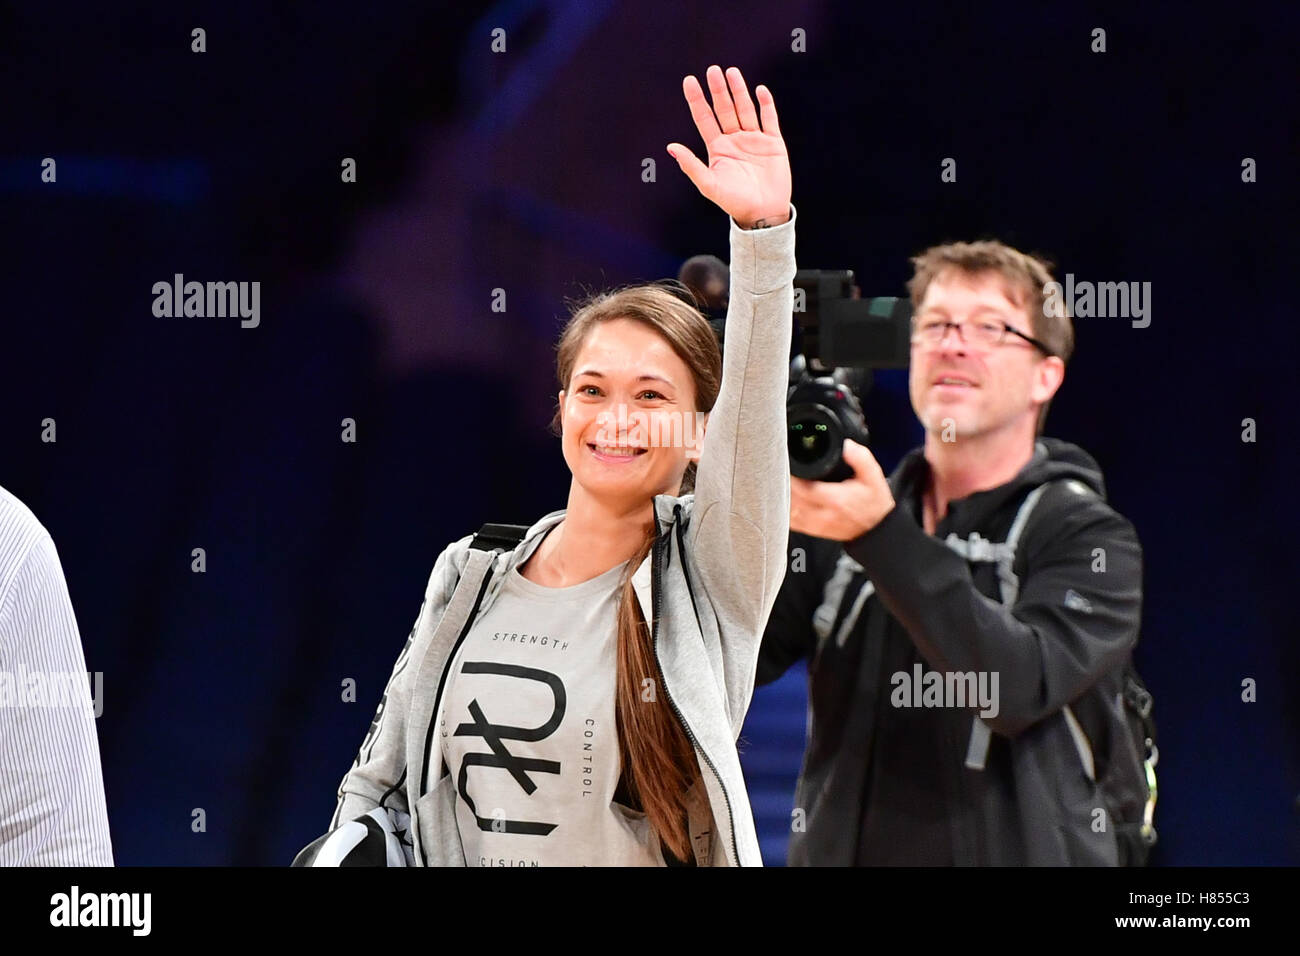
[[842, 510]]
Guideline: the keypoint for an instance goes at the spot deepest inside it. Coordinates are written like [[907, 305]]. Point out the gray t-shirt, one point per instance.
[[528, 731]]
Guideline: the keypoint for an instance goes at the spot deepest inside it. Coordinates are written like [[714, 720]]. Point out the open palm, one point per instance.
[[748, 174]]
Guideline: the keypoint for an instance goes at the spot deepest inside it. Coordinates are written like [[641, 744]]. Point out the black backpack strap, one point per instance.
[[504, 536], [977, 549], [1138, 700]]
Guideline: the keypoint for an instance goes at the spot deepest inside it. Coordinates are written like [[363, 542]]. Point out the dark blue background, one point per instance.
[[522, 171]]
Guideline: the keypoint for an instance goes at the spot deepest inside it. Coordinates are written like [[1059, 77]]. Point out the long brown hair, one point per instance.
[[658, 761]]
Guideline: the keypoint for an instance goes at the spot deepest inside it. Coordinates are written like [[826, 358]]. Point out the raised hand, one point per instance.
[[748, 174]]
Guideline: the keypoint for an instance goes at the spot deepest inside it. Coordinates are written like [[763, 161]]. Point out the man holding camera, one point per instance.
[[988, 559]]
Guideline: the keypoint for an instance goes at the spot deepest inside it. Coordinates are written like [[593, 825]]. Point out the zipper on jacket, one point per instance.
[[681, 550], [442, 682], [654, 641]]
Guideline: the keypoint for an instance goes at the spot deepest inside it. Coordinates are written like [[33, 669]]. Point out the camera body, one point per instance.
[[839, 338]]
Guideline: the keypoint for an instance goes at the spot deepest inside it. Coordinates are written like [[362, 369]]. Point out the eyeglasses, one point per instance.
[[984, 334]]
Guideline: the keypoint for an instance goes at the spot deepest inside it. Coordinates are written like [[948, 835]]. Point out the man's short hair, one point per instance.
[[1025, 277]]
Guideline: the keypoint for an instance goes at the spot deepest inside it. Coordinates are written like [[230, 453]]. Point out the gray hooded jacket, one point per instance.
[[705, 589]]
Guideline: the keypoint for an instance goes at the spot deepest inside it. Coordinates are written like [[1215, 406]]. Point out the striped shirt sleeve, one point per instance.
[[52, 806]]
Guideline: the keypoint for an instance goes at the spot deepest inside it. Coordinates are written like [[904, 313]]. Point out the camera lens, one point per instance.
[[808, 440], [815, 440]]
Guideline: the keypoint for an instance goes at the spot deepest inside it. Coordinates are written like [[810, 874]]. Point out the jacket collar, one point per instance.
[[665, 512], [667, 509], [910, 477], [1052, 459]]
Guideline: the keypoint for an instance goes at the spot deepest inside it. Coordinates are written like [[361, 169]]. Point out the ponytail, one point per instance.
[[659, 763]]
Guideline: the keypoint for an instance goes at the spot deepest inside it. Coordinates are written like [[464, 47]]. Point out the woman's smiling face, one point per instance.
[[628, 416]]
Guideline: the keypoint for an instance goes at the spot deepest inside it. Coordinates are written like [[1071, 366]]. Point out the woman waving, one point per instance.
[[578, 698]]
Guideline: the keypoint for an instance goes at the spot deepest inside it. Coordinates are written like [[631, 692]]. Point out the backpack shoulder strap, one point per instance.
[[1006, 575], [976, 548], [833, 596], [1004, 555], [504, 536], [473, 577], [1007, 580], [480, 558]]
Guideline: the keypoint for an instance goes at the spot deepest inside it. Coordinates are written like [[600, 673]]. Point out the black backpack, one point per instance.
[[1123, 765]]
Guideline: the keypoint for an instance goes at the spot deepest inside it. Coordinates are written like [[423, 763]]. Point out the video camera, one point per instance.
[[839, 338]]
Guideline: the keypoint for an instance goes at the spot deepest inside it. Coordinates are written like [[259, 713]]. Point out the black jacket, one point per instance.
[[887, 784]]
